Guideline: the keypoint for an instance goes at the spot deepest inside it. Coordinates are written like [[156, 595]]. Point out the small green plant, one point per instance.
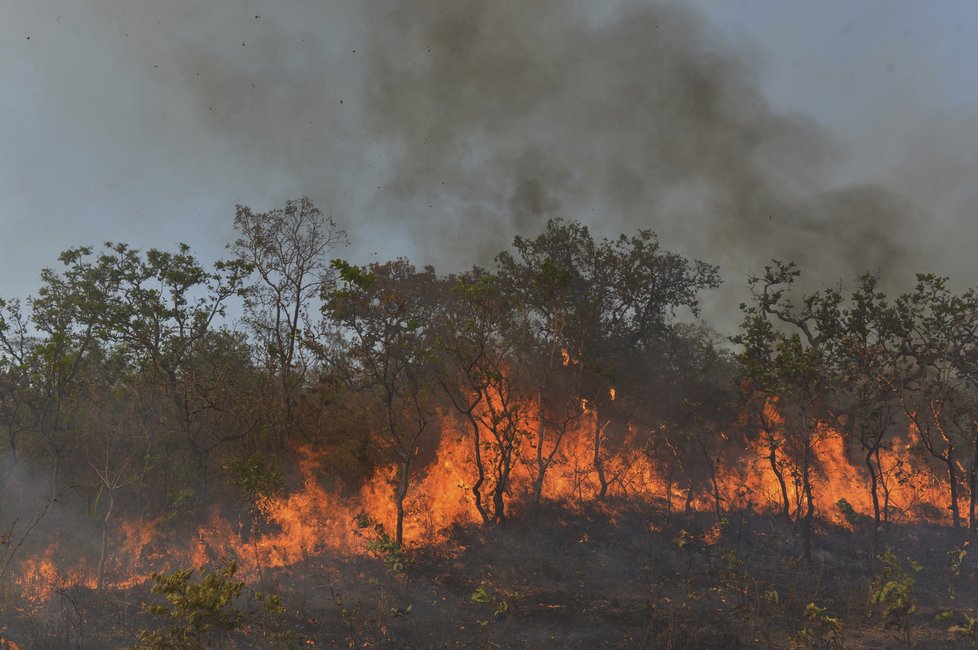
[[197, 614], [481, 595], [687, 544], [821, 631], [967, 628], [387, 549], [499, 601], [853, 518], [206, 612], [382, 545], [402, 611], [955, 559], [893, 592], [683, 539], [733, 577]]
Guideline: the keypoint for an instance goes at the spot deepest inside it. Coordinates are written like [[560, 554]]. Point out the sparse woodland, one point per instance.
[[285, 449]]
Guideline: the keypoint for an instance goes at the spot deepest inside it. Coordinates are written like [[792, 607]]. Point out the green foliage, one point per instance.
[[381, 544], [683, 539], [253, 476], [499, 601], [852, 517], [207, 612], [197, 614], [821, 630], [402, 611], [354, 275], [967, 627], [387, 548], [481, 595], [177, 504], [893, 591], [955, 558], [734, 579]]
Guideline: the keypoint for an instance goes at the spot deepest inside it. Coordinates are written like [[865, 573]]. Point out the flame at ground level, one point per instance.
[[313, 520]]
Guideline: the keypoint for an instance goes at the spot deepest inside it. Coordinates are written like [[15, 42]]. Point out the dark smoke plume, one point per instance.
[[441, 129]]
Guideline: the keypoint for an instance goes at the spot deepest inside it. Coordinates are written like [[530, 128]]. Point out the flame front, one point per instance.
[[311, 521]]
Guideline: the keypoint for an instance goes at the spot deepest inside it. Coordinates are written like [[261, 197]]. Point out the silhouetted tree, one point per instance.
[[288, 249]]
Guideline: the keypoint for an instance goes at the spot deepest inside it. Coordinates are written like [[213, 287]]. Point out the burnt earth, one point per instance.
[[613, 576]]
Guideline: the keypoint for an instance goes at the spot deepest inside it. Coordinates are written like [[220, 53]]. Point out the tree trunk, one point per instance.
[[402, 490], [103, 551], [874, 493], [717, 499], [877, 514], [873, 487], [55, 471], [711, 467], [498, 494], [972, 480], [480, 472], [806, 528], [669, 489], [286, 424], [541, 464], [538, 489], [785, 501], [884, 486], [598, 461], [952, 476]]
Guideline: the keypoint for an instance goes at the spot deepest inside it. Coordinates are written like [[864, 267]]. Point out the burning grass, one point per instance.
[[638, 568]]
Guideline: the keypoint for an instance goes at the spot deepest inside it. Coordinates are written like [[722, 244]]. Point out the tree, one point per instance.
[[483, 374], [15, 344], [695, 380], [865, 357], [116, 445], [758, 395], [600, 301], [288, 250], [161, 308], [860, 356], [936, 337], [793, 372], [46, 353], [385, 311]]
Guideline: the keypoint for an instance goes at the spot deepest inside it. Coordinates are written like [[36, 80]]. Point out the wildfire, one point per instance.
[[907, 495], [311, 521]]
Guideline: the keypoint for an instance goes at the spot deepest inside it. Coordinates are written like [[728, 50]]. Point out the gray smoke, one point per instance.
[[438, 130], [464, 123]]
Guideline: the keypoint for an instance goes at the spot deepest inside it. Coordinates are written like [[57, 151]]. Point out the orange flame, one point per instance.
[[313, 520]]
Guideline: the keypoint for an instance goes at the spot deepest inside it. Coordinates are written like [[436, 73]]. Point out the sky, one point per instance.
[[842, 134]]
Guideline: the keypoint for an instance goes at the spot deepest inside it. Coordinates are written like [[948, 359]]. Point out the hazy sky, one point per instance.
[[841, 133]]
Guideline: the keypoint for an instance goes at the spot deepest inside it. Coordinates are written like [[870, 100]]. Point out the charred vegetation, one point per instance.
[[286, 449]]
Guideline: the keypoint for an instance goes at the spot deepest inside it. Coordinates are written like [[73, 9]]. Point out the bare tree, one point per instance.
[[288, 249]]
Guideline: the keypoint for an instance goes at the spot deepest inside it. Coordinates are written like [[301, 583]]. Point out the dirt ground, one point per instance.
[[615, 576]]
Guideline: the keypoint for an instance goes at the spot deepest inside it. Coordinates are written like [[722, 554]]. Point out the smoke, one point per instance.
[[464, 123], [438, 130]]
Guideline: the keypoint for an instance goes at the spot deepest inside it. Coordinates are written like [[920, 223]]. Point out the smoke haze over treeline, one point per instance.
[[546, 445], [438, 130]]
